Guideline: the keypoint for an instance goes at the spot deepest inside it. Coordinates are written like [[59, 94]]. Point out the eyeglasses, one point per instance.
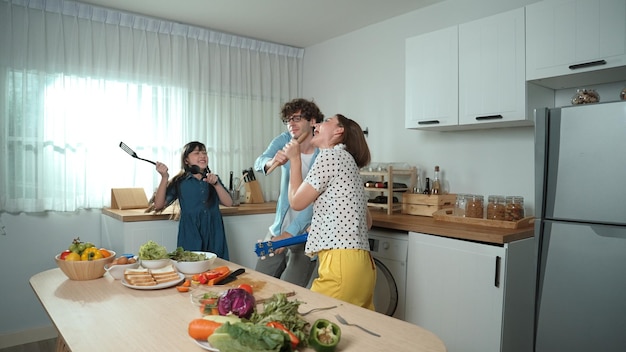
[[294, 118]]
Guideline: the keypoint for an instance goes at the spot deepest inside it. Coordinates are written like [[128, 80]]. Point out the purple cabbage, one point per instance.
[[236, 301]]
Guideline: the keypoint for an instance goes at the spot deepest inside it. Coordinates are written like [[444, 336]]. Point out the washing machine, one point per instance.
[[389, 250]]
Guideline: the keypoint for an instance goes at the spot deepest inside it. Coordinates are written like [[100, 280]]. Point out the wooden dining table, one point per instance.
[[105, 315]]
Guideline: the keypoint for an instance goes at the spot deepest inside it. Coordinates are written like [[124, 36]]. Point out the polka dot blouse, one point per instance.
[[340, 212]]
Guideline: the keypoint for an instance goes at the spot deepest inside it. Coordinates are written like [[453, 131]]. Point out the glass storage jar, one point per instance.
[[514, 208], [459, 206], [585, 96], [496, 207], [474, 206]]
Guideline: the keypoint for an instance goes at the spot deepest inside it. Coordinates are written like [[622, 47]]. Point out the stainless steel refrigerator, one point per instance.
[[580, 228]]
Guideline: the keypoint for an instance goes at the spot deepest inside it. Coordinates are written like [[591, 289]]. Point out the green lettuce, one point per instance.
[[152, 250], [249, 337]]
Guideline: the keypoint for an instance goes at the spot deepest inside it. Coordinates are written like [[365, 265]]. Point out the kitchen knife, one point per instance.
[[232, 277], [252, 176]]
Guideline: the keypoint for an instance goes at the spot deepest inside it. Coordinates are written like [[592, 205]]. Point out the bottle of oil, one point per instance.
[[436, 188]]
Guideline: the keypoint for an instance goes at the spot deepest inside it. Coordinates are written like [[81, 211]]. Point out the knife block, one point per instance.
[[253, 192]]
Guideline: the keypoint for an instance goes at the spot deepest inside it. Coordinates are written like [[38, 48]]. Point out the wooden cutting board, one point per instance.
[[263, 290]]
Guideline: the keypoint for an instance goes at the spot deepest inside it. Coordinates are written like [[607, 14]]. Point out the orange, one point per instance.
[[105, 253]]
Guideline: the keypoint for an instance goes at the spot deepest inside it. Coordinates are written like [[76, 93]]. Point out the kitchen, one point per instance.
[[360, 74]]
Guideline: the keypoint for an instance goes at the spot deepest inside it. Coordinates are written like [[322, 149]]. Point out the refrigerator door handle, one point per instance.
[[496, 282]]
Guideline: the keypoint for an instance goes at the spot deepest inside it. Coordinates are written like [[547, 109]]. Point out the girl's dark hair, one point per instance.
[[308, 109], [354, 139], [175, 181]]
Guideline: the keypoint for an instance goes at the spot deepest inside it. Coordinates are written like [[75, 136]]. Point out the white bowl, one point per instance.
[[117, 270], [155, 263], [198, 266]]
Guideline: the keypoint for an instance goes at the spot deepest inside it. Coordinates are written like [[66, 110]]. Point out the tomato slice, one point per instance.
[[246, 288]]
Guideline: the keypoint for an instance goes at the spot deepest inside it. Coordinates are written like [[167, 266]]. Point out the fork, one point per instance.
[[344, 322], [316, 310]]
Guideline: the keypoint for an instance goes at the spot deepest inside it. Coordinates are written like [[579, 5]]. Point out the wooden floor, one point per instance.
[[39, 346]]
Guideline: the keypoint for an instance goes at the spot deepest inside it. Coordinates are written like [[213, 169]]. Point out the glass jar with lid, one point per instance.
[[514, 208], [585, 96], [474, 206], [459, 206], [496, 207]]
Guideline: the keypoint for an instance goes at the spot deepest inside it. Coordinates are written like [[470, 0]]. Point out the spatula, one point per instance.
[[132, 153]]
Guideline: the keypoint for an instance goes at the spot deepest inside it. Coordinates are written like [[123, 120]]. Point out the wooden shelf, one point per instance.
[[388, 176]]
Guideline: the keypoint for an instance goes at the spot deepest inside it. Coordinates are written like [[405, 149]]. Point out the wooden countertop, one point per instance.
[[395, 221], [424, 224], [104, 315], [131, 215]]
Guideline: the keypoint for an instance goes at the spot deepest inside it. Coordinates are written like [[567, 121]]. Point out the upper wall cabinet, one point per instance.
[[484, 61], [492, 78], [571, 42], [432, 79]]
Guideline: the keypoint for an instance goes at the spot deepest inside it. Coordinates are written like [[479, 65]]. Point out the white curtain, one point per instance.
[[76, 80]]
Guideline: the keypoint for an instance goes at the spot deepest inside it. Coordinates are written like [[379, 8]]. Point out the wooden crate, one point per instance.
[[426, 204]]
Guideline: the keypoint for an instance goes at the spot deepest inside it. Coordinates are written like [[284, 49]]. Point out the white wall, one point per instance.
[[361, 75], [28, 244]]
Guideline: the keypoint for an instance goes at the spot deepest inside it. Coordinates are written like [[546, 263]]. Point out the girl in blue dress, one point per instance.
[[199, 193]]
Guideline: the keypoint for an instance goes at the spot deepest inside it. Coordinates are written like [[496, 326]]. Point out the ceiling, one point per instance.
[[299, 23]]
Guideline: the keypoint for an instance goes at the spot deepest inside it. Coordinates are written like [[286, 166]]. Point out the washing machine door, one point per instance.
[[386, 290]]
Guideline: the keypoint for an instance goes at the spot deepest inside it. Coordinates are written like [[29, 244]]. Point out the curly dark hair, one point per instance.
[[307, 108]]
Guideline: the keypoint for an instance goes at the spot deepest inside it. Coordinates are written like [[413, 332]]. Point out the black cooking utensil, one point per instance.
[[195, 169], [132, 153], [232, 277]]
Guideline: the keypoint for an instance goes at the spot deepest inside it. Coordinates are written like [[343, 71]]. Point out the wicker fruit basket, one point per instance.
[[84, 270]]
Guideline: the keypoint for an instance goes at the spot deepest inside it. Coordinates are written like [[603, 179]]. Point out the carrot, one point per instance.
[[187, 283], [182, 288], [201, 329]]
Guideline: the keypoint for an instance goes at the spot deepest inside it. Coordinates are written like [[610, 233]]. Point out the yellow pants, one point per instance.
[[348, 275]]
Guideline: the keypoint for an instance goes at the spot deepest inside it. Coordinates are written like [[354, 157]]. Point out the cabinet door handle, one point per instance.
[[497, 276], [428, 122], [587, 64], [489, 117]]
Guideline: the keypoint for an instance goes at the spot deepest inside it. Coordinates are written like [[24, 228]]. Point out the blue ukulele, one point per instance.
[[264, 249]]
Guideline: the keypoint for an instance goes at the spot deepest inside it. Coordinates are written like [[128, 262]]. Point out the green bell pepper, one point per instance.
[[324, 336]]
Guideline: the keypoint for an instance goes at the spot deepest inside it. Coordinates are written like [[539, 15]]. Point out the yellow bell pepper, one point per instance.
[[91, 253]]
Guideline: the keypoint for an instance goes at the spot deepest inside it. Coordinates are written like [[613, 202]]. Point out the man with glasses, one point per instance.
[[290, 263]]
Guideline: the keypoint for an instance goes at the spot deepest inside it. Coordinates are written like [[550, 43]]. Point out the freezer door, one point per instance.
[[581, 290], [581, 163]]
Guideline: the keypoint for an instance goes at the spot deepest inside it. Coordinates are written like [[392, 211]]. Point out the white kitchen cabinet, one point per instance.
[[568, 37], [431, 82], [490, 76], [127, 237], [242, 233], [474, 296]]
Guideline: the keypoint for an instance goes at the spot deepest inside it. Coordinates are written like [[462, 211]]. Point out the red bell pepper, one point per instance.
[[292, 337]]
